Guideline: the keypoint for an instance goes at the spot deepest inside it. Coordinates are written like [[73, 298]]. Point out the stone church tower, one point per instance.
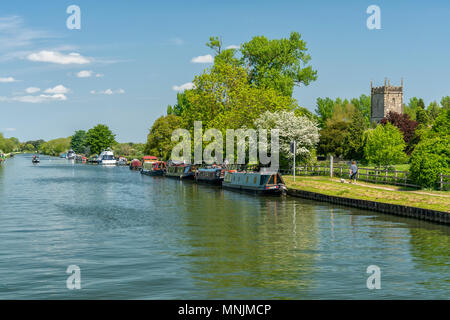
[[384, 99]]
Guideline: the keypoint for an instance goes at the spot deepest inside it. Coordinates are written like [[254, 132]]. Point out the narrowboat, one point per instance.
[[210, 175], [149, 159], [182, 171], [255, 182], [157, 168], [135, 164]]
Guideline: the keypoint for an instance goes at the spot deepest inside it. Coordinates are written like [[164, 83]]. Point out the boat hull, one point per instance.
[[260, 191], [155, 173]]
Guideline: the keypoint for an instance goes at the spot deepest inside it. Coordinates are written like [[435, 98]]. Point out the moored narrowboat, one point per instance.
[[256, 182], [210, 175], [135, 164], [157, 168], [182, 171]]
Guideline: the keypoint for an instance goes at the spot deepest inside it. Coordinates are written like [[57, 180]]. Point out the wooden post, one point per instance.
[[385, 174], [441, 182]]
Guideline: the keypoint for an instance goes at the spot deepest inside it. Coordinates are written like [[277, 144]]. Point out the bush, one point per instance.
[[430, 158], [384, 146]]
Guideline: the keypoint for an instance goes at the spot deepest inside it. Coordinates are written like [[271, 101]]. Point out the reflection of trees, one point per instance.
[[430, 249], [255, 245]]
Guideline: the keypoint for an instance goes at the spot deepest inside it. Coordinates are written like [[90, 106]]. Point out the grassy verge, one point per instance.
[[433, 200]]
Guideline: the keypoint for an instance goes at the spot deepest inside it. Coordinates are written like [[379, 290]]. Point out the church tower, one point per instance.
[[384, 99]]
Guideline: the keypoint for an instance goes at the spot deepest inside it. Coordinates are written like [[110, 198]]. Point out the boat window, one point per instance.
[[263, 180], [271, 180]]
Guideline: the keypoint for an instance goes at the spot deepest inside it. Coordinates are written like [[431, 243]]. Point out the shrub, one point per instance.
[[430, 158]]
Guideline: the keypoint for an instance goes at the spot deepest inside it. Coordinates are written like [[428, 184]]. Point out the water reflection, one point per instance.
[[136, 236]]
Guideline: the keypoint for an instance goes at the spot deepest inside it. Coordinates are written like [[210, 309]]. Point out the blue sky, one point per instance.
[[133, 53]]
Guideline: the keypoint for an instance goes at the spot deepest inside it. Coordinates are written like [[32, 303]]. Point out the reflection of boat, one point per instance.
[[257, 182], [157, 168], [106, 158], [210, 175], [135, 164], [35, 159], [70, 155], [180, 171]]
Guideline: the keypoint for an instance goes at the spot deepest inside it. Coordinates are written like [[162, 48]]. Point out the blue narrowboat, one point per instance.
[[255, 182], [210, 175]]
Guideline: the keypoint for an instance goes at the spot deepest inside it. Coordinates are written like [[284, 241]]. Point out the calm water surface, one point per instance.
[[138, 237]]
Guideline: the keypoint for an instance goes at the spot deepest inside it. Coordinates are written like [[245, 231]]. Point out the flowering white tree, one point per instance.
[[292, 128]]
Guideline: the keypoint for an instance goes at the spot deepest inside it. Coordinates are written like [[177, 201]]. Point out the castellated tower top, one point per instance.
[[385, 99]]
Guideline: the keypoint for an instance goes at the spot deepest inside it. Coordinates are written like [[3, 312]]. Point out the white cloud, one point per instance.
[[84, 74], [203, 59], [40, 98], [59, 89], [183, 87], [233, 46], [32, 90], [99, 75], [108, 92], [7, 80], [58, 58]]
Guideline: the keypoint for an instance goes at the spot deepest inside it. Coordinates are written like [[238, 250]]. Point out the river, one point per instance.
[[140, 237]]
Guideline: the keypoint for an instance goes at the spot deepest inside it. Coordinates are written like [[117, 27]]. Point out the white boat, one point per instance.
[[106, 158], [70, 155]]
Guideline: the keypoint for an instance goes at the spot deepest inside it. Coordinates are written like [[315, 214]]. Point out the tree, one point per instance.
[[224, 99], [430, 158], [292, 128], [445, 102], [403, 122], [363, 104], [384, 146], [279, 64], [422, 115], [181, 106], [56, 146], [433, 110], [355, 137], [324, 110], [99, 138], [159, 141], [342, 112], [411, 108], [78, 142], [333, 139]]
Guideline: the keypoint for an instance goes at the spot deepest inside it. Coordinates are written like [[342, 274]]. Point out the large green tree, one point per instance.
[[224, 99], [279, 64], [99, 138]]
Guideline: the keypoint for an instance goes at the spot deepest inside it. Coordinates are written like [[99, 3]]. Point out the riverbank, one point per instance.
[[390, 199]]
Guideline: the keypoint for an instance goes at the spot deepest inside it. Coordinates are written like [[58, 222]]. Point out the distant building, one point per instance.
[[384, 99]]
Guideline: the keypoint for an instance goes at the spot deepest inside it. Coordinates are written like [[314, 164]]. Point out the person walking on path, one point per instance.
[[353, 171]]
